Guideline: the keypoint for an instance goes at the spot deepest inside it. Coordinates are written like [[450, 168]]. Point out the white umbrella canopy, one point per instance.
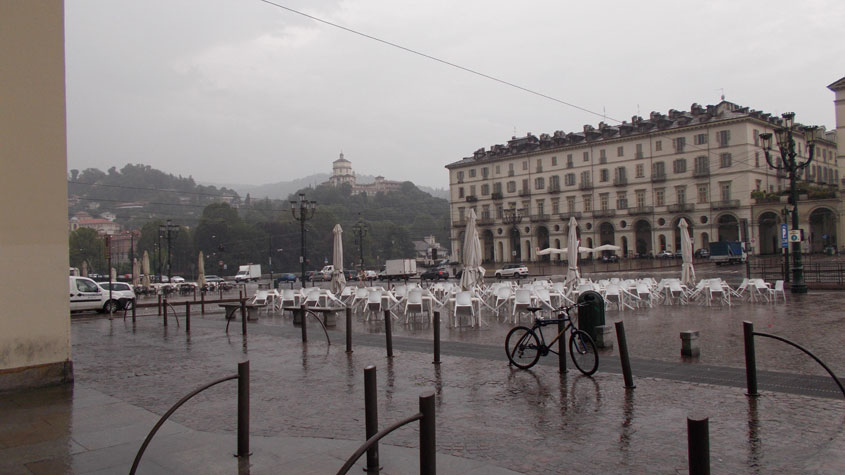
[[606, 247], [136, 271], [338, 280], [572, 248], [200, 270], [112, 275], [550, 250], [84, 269], [145, 269], [473, 273], [687, 269]]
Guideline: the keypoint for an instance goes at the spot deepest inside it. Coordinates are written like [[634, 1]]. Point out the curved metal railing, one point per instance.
[[751, 361], [243, 413]]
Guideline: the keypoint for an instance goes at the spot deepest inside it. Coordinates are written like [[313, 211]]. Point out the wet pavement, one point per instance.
[[308, 411]]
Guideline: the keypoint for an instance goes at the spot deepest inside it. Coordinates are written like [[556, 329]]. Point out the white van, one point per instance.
[[85, 294]]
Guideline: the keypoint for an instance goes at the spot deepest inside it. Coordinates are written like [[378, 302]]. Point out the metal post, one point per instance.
[[371, 416], [623, 355], [165, 312], [243, 316], [302, 323], [348, 330], [388, 333], [561, 347], [436, 325], [202, 302], [134, 304], [243, 409], [428, 442], [698, 445], [159, 305], [187, 317], [750, 359]]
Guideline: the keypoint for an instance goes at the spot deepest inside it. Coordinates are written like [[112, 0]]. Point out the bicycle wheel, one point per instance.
[[583, 352], [523, 347]]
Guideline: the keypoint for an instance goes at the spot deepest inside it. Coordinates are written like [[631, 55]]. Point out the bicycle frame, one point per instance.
[[538, 329]]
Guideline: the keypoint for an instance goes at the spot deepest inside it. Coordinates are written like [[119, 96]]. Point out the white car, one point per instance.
[[177, 279], [86, 295], [121, 293], [512, 270]]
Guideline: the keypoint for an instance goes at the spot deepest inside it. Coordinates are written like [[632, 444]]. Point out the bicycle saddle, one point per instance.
[[533, 309]]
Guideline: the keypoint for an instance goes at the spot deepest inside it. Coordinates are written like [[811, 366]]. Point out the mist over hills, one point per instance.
[[281, 190]]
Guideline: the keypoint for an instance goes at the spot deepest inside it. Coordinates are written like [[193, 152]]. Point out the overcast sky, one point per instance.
[[240, 91]]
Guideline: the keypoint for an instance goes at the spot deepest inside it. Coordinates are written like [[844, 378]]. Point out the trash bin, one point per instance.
[[592, 315]]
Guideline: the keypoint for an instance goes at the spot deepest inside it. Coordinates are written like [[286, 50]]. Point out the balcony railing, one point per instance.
[[604, 213], [485, 220], [724, 204], [459, 223], [641, 210], [566, 216], [586, 185], [472, 198], [701, 172], [497, 195], [681, 208], [658, 177], [554, 188], [539, 218], [524, 192], [620, 181]]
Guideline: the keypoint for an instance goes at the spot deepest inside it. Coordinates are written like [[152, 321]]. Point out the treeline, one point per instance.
[[258, 231]]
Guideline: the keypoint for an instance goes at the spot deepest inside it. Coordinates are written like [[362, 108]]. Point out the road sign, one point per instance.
[[796, 235], [784, 236]]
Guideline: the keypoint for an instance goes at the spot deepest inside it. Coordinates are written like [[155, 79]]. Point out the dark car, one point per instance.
[[435, 274], [286, 277], [350, 275], [702, 253], [610, 258]]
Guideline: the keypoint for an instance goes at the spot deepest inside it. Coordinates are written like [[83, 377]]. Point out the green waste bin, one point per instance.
[[591, 315]]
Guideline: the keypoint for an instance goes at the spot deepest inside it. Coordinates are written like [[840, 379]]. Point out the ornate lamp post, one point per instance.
[[513, 217], [306, 211], [169, 231], [786, 146], [360, 229]]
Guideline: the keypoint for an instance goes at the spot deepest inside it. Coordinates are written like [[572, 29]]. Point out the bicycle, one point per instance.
[[524, 347]]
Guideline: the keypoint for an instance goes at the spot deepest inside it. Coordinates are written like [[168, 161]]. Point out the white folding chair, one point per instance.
[[413, 302], [777, 290], [522, 300], [464, 305]]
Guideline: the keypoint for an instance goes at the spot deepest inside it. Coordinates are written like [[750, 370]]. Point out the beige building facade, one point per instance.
[[630, 184], [35, 345]]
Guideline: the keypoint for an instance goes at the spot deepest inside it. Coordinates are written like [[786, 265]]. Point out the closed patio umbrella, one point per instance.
[[687, 269], [145, 269], [338, 280], [200, 271], [473, 272], [84, 269], [572, 274], [136, 272]]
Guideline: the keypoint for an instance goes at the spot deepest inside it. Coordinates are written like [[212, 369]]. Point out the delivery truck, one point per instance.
[[248, 273], [727, 252], [400, 269]]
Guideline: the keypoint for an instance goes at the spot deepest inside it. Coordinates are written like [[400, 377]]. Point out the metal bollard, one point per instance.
[[243, 409], [348, 330], [371, 416], [243, 316], [195, 294], [388, 333], [165, 312], [750, 359], [302, 321], [187, 317], [134, 304], [428, 441], [561, 347], [159, 305], [220, 288], [623, 355], [202, 302], [698, 445], [436, 325]]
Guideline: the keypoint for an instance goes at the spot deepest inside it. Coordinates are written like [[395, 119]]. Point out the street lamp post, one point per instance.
[[788, 163], [359, 229], [306, 211], [170, 231], [513, 217]]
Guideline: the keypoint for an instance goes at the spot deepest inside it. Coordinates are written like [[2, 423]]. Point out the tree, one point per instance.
[[86, 245]]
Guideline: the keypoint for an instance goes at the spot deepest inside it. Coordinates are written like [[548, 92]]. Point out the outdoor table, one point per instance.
[[329, 317], [232, 307]]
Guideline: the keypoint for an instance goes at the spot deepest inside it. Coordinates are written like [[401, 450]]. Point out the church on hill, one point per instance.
[[342, 173]]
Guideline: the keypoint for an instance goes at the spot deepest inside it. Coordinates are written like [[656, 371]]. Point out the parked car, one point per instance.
[[213, 279], [350, 275], [286, 277], [702, 253], [370, 274], [610, 258], [177, 279], [435, 274], [664, 254], [512, 270], [85, 294], [122, 294]]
